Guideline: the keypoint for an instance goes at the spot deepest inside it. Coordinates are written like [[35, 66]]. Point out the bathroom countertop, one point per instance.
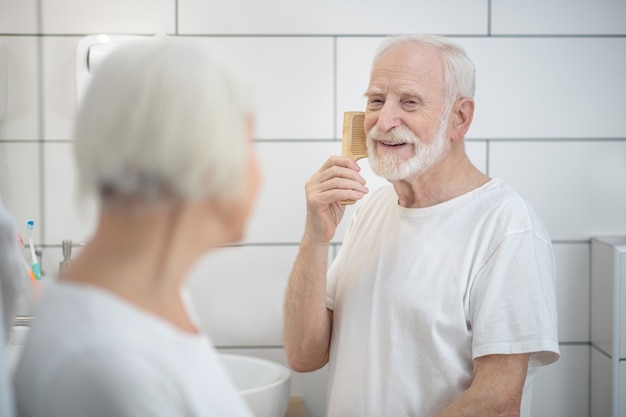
[[296, 408]]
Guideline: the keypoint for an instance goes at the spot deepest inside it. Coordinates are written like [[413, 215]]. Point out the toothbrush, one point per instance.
[[29, 271], [36, 267]]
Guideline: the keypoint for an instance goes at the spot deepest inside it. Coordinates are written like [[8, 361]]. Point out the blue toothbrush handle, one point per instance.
[[37, 270]]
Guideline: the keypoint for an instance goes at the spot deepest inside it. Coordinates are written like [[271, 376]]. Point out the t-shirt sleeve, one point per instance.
[[115, 385], [513, 301]]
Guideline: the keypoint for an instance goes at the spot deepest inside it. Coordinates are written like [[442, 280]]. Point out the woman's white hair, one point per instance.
[[162, 121], [459, 72]]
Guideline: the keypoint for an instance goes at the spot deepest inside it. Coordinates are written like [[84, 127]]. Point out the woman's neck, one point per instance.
[[145, 256]]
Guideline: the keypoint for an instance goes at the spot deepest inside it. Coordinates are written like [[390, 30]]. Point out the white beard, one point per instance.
[[425, 156]]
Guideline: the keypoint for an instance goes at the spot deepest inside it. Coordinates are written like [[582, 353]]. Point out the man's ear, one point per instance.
[[462, 115]]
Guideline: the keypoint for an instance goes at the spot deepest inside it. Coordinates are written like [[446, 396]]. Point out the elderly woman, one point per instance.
[[164, 139], [11, 272]]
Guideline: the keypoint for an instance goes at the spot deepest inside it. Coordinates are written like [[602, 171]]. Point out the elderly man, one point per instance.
[[441, 301]]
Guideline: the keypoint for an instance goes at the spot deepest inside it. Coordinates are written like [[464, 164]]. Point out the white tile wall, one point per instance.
[[18, 16], [331, 17], [294, 95], [549, 120], [569, 17], [66, 217], [548, 87], [59, 80], [574, 185], [22, 111], [20, 184], [572, 273], [112, 16]]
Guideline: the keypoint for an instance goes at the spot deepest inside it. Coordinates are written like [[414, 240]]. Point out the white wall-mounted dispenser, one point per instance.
[[92, 50], [3, 84]]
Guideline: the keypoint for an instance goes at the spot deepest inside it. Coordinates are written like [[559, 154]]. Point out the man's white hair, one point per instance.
[[459, 72]]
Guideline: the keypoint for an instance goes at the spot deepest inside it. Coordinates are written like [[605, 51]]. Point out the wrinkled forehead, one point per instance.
[[408, 66]]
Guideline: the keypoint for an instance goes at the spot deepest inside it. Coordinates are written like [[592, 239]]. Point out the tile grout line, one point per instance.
[[176, 17], [41, 123], [489, 18], [591, 348]]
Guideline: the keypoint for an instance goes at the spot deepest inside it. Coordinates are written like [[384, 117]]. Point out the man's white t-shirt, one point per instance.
[[417, 294], [90, 353]]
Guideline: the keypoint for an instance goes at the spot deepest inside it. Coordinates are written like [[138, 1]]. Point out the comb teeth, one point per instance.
[[353, 144], [358, 136]]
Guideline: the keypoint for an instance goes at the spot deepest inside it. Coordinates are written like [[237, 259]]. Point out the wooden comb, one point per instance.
[[353, 139]]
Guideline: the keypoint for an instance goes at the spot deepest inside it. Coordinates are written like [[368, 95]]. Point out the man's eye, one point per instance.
[[374, 103], [410, 104]]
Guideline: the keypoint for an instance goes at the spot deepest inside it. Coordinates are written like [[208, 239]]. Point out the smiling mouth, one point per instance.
[[392, 144]]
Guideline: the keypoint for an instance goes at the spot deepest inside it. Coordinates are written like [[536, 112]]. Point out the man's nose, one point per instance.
[[388, 118]]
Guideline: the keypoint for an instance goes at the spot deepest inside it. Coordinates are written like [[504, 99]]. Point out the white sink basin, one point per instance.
[[264, 385]]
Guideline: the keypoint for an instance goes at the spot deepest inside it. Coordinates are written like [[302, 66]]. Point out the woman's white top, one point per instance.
[[91, 353]]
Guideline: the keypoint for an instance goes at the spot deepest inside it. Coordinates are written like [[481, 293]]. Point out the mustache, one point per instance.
[[399, 134]]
